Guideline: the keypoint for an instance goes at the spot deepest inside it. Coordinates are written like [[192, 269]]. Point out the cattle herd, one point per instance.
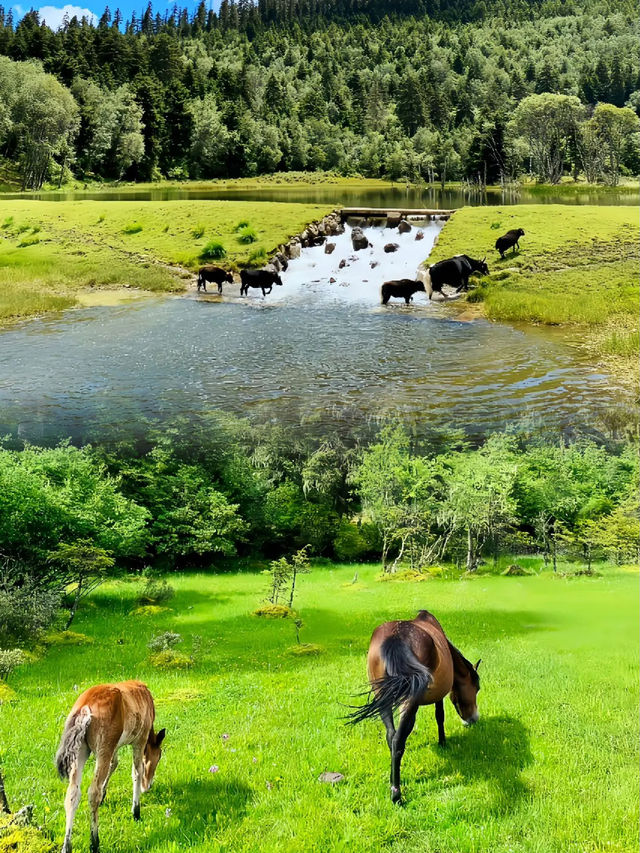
[[453, 272]]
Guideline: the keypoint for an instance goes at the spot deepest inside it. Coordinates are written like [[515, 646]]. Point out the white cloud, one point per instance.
[[52, 15]]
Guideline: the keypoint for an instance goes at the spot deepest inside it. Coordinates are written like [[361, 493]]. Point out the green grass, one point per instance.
[[551, 767], [576, 266], [82, 245]]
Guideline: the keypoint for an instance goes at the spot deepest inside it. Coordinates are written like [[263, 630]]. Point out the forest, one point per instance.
[[223, 489], [435, 91]]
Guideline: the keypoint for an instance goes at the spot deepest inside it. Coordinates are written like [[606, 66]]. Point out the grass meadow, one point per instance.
[[53, 253], [577, 265], [552, 766]]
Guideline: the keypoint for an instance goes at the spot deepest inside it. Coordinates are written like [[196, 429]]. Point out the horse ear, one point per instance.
[[478, 664], [160, 736], [484, 259]]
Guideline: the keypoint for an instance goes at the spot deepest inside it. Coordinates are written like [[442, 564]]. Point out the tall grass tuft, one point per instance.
[[133, 228], [198, 231], [213, 251], [247, 234]]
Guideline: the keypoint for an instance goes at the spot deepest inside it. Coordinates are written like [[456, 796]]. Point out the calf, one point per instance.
[[264, 279], [402, 289], [455, 272], [214, 274], [509, 241]]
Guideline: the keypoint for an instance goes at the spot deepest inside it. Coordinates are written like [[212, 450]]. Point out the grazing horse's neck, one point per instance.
[[461, 666]]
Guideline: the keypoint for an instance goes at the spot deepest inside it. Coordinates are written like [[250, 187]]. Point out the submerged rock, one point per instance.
[[328, 248], [342, 264], [420, 235], [391, 247], [404, 227]]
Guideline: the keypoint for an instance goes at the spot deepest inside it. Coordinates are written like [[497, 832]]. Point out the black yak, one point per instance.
[[455, 272], [509, 240], [402, 289], [264, 279], [214, 274]]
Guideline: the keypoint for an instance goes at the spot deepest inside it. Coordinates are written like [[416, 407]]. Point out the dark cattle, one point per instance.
[[264, 279], [402, 289], [214, 274], [509, 241], [455, 272]]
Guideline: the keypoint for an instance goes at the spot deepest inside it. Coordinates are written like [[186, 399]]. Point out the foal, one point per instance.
[[103, 719], [412, 664]]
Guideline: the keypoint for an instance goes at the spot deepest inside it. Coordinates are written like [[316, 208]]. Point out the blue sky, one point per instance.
[[53, 14]]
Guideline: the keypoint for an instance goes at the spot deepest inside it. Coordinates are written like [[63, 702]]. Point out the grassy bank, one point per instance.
[[576, 265], [50, 252], [551, 766]]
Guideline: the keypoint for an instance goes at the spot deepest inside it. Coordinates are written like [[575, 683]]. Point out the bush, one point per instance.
[[25, 611], [19, 836], [247, 234], [133, 228], [242, 224], [351, 542], [156, 591], [67, 638], [274, 611], [198, 231], [164, 642], [10, 659], [213, 251], [28, 241], [170, 659]]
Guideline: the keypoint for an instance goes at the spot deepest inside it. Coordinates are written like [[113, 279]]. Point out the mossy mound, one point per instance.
[[169, 659], [305, 650], [67, 638], [274, 611], [6, 693], [149, 610], [515, 571], [412, 575], [18, 838]]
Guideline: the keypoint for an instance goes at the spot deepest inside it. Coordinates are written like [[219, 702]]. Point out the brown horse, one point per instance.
[[412, 664], [103, 719]]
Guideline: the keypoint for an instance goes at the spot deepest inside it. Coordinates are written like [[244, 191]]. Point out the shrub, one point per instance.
[[156, 591], [170, 659], [28, 241], [8, 222], [213, 251], [274, 611], [133, 228], [247, 234], [305, 650], [242, 224], [25, 611], [198, 231], [149, 610], [10, 659], [67, 638], [17, 835], [165, 641]]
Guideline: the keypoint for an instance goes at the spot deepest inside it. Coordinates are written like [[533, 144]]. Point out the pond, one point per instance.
[[383, 196], [314, 350]]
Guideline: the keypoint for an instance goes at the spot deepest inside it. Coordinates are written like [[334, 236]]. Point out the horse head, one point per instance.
[[481, 266], [152, 755], [466, 686]]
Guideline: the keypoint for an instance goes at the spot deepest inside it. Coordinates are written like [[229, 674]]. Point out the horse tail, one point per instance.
[[405, 678], [73, 736]]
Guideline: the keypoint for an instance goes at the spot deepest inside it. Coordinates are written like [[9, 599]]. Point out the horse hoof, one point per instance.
[[136, 812], [396, 796]]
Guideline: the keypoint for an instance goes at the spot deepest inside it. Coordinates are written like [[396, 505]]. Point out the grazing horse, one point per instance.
[[455, 272], [509, 240], [412, 664], [404, 288], [217, 275], [103, 719], [264, 279]]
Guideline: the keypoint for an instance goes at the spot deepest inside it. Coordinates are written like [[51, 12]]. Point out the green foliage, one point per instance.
[[26, 610], [133, 228], [198, 231], [162, 642], [171, 660], [426, 93], [10, 659], [156, 591], [213, 251], [67, 638], [247, 234], [18, 836]]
